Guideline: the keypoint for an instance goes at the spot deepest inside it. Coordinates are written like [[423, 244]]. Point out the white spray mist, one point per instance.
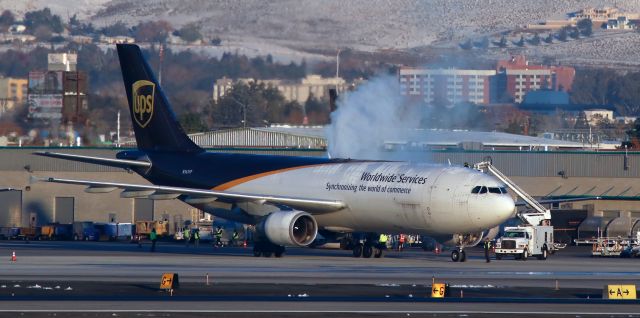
[[371, 116]]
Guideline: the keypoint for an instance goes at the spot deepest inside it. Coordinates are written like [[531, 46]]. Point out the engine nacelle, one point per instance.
[[289, 228]]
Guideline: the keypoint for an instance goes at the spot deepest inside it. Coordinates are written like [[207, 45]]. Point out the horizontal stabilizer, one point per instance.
[[118, 163]]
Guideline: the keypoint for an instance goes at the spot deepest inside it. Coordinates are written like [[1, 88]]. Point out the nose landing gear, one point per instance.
[[458, 255]]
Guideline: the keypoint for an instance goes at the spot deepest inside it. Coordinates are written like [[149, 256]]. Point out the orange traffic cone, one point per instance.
[[13, 256]]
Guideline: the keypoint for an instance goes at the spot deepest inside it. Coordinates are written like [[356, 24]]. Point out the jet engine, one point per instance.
[[289, 228]]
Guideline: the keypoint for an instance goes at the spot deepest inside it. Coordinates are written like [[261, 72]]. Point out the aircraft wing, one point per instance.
[[191, 195], [559, 200]]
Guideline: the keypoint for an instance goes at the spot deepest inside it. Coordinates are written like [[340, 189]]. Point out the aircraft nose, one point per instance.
[[494, 211], [504, 208]]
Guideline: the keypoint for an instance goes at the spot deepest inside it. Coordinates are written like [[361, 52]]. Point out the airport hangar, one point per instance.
[[542, 167]]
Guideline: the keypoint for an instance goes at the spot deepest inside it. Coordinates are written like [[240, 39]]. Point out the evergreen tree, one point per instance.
[[6, 19], [43, 18], [502, 43], [585, 26], [116, 29], [562, 34], [535, 40], [581, 121], [189, 33], [483, 43], [466, 45], [574, 33]]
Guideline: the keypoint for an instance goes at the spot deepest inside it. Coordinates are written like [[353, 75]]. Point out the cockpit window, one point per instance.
[[495, 190], [483, 189]]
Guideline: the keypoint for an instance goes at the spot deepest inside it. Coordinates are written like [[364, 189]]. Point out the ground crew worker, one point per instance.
[[487, 249], [196, 237], [219, 236], [401, 242], [186, 235], [382, 240], [153, 236], [235, 237]]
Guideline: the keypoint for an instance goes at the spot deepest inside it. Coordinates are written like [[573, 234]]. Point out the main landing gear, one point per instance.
[[267, 249], [366, 250], [458, 255], [370, 247]]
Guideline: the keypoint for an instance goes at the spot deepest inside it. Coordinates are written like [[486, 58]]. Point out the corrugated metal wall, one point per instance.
[[550, 164]]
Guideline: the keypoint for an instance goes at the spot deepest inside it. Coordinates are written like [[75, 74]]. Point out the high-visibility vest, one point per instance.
[[383, 238], [196, 235], [219, 233], [186, 233]]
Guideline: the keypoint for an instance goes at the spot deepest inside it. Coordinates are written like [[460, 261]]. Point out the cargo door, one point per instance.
[[64, 210], [142, 210]]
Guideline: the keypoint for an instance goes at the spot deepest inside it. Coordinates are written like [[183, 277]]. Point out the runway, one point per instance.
[[108, 277]]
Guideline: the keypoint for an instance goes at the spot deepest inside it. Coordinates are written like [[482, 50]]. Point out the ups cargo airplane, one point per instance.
[[290, 199]]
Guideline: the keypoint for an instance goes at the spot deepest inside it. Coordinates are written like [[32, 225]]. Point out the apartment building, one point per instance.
[[13, 91], [449, 86], [299, 91], [518, 77]]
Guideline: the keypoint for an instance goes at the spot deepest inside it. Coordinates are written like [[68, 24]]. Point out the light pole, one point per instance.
[[337, 68], [244, 111]]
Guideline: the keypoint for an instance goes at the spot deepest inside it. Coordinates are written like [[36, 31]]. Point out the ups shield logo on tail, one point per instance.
[[143, 93]]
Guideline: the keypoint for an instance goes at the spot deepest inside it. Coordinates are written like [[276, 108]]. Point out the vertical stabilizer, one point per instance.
[[154, 123]]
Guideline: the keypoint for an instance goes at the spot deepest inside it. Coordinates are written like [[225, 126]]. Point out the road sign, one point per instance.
[[619, 292], [169, 281], [439, 290]]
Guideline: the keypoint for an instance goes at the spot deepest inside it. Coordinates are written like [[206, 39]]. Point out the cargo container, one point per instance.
[[143, 228], [114, 231], [125, 231], [56, 231], [29, 233], [85, 231]]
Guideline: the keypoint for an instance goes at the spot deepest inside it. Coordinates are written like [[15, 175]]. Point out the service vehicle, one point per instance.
[[525, 241]]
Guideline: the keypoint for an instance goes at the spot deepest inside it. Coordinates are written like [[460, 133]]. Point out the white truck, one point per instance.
[[525, 241]]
